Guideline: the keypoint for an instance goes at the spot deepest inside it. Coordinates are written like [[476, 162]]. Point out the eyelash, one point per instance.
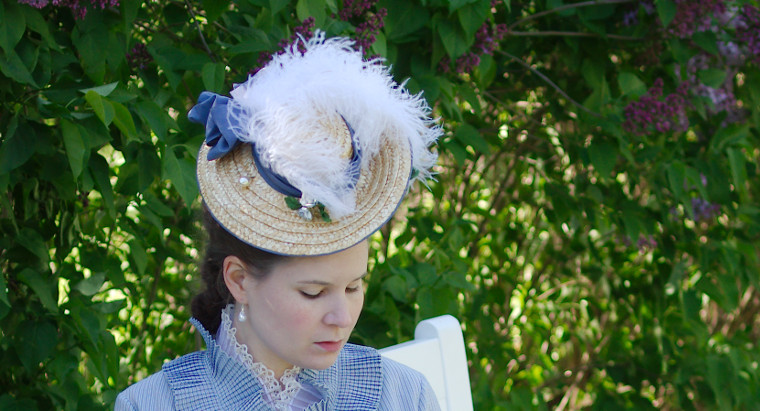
[[313, 296]]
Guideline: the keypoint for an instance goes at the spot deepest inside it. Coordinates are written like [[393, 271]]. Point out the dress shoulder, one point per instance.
[[405, 388], [152, 393], [402, 388]]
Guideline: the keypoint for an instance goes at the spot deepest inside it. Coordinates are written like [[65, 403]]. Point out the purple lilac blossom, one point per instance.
[[748, 32], [138, 57], [646, 243], [487, 38], [694, 16], [653, 113], [302, 31], [704, 210], [370, 23], [35, 3], [78, 8]]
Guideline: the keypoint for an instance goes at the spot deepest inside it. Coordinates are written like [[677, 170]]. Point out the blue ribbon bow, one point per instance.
[[211, 111]]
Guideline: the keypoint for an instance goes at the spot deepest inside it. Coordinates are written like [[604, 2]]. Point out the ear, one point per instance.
[[236, 278]]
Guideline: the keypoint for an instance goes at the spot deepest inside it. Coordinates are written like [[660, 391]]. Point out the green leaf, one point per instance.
[[155, 116], [707, 41], [425, 274], [214, 8], [181, 173], [553, 4], [255, 43], [737, 161], [395, 285], [593, 73], [3, 292], [454, 41], [472, 97], [75, 146], [631, 222], [597, 12], [91, 285], [599, 97], [680, 50], [102, 107], [35, 22], [311, 8], [733, 135], [277, 5], [752, 80], [213, 77], [691, 306], [123, 120], [138, 255], [13, 27], [92, 46], [676, 178], [103, 90], [470, 136], [110, 352], [98, 168], [456, 150], [486, 71], [16, 150], [603, 156], [404, 18], [35, 343], [720, 374], [712, 77], [292, 203], [472, 16], [380, 46], [631, 85], [44, 288], [454, 5], [156, 205], [33, 241], [14, 68], [149, 163], [666, 10], [89, 322]]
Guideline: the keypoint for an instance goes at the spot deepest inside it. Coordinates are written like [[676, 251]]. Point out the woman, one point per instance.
[[308, 158]]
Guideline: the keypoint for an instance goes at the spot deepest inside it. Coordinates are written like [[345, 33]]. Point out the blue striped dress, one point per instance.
[[211, 379]]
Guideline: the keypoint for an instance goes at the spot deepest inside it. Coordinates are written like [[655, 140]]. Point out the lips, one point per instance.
[[330, 346]]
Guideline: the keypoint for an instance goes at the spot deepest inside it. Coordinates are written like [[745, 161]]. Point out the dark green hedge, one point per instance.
[[594, 224]]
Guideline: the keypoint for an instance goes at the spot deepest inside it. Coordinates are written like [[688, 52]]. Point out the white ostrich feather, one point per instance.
[[280, 109]]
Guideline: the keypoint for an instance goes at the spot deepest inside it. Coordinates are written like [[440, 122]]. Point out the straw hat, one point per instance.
[[313, 153]]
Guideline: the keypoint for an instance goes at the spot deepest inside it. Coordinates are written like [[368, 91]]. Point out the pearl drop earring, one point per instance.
[[241, 316]]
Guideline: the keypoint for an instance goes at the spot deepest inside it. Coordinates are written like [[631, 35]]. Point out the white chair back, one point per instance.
[[438, 352]]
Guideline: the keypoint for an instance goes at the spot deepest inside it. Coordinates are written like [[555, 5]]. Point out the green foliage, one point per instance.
[[594, 261]]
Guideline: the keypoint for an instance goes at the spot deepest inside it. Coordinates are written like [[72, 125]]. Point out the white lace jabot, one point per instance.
[[287, 393]]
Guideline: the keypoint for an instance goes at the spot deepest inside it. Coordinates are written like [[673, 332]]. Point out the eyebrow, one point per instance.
[[320, 282]]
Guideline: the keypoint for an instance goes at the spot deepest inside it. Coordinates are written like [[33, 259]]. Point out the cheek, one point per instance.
[[356, 307], [299, 315], [284, 311]]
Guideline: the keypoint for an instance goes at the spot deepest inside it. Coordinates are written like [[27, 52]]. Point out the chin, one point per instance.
[[322, 363]]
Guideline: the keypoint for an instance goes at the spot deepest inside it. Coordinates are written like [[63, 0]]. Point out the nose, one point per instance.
[[339, 313]]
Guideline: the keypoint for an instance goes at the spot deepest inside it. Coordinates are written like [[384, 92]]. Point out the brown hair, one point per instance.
[[207, 306]]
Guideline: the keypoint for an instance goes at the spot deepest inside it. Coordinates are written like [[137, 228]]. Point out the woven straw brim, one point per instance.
[[258, 215]]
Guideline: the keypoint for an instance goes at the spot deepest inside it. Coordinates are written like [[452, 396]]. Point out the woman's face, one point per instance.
[[303, 312]]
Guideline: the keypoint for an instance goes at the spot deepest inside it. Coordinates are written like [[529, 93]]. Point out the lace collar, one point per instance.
[[280, 393], [212, 379]]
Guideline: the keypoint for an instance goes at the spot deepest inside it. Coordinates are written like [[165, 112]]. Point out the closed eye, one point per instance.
[[311, 295], [355, 289]]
